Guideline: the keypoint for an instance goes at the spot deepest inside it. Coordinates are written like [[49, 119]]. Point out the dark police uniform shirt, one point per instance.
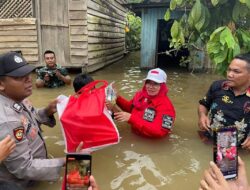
[[226, 109], [28, 161], [54, 80]]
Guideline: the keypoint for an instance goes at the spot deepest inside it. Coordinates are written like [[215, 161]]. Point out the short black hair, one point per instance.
[[244, 57], [49, 51], [7, 185], [81, 80]]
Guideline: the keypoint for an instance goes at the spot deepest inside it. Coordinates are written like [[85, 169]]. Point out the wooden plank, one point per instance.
[[104, 16], [105, 9], [97, 20], [106, 61], [54, 25], [77, 15], [18, 44], [18, 27], [117, 6], [57, 40], [100, 53], [62, 12], [80, 45], [25, 51], [103, 61], [17, 21], [92, 40], [18, 38], [105, 28], [31, 58], [78, 52], [106, 34], [79, 60], [112, 6], [94, 47], [28, 58], [18, 32], [77, 5], [78, 22], [78, 30], [39, 39], [77, 38]]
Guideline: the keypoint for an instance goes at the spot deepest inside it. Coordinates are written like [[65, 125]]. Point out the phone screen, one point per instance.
[[225, 151], [78, 171]]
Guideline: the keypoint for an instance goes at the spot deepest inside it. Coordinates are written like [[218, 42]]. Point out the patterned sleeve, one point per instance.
[[208, 98]]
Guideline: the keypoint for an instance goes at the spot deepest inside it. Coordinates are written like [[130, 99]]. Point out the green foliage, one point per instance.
[[133, 32], [219, 27], [222, 47], [167, 15]]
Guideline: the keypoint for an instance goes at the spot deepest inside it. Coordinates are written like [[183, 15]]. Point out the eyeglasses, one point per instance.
[[152, 84]]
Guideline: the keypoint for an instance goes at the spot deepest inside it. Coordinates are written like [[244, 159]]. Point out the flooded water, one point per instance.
[[137, 163]]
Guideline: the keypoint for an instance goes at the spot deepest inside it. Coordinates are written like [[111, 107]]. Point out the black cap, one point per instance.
[[14, 65]]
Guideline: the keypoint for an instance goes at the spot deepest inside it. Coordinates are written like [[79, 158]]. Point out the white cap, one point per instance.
[[157, 75]]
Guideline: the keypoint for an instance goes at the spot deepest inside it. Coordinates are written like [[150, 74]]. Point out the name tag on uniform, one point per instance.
[[149, 114], [167, 122]]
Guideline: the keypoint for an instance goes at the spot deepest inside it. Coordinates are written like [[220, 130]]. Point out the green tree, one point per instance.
[[220, 28], [133, 31]]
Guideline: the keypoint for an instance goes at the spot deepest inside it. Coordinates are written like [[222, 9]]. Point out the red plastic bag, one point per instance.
[[86, 118]]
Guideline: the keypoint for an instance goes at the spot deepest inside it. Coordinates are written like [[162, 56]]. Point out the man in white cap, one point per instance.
[[150, 112], [21, 121]]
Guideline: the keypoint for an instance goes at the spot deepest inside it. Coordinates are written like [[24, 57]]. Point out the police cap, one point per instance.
[[14, 65]]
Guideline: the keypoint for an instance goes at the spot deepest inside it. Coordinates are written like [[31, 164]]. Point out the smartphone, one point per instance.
[[78, 171], [225, 151]]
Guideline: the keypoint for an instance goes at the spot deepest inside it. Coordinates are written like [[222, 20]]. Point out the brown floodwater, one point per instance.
[[137, 163]]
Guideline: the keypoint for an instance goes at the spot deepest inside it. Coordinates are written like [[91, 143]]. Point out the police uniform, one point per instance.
[[29, 159], [54, 80]]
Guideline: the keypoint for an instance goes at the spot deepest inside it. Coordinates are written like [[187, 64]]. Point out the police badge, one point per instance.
[[18, 133]]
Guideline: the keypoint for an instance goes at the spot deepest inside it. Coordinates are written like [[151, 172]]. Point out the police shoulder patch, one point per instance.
[[167, 122], [18, 133]]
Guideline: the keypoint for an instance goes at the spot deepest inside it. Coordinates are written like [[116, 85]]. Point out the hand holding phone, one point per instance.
[[78, 171], [225, 151]]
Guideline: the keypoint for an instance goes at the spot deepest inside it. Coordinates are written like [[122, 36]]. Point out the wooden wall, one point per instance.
[[78, 32], [19, 34], [53, 26], [81, 32], [106, 35]]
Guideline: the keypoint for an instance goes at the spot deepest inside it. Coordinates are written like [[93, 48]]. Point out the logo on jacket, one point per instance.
[[226, 99], [18, 133], [167, 122], [149, 114]]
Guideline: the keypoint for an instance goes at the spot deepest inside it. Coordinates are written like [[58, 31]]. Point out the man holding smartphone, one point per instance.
[[227, 102]]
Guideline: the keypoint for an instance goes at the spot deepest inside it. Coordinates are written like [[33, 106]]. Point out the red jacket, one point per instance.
[[155, 120]]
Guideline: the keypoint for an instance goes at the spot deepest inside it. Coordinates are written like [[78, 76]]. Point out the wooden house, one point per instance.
[[155, 34], [82, 33]]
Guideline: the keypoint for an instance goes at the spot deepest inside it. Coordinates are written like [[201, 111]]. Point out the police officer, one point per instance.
[[19, 119]]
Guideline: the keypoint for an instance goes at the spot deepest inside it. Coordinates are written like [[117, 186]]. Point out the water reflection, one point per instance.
[[138, 163]]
